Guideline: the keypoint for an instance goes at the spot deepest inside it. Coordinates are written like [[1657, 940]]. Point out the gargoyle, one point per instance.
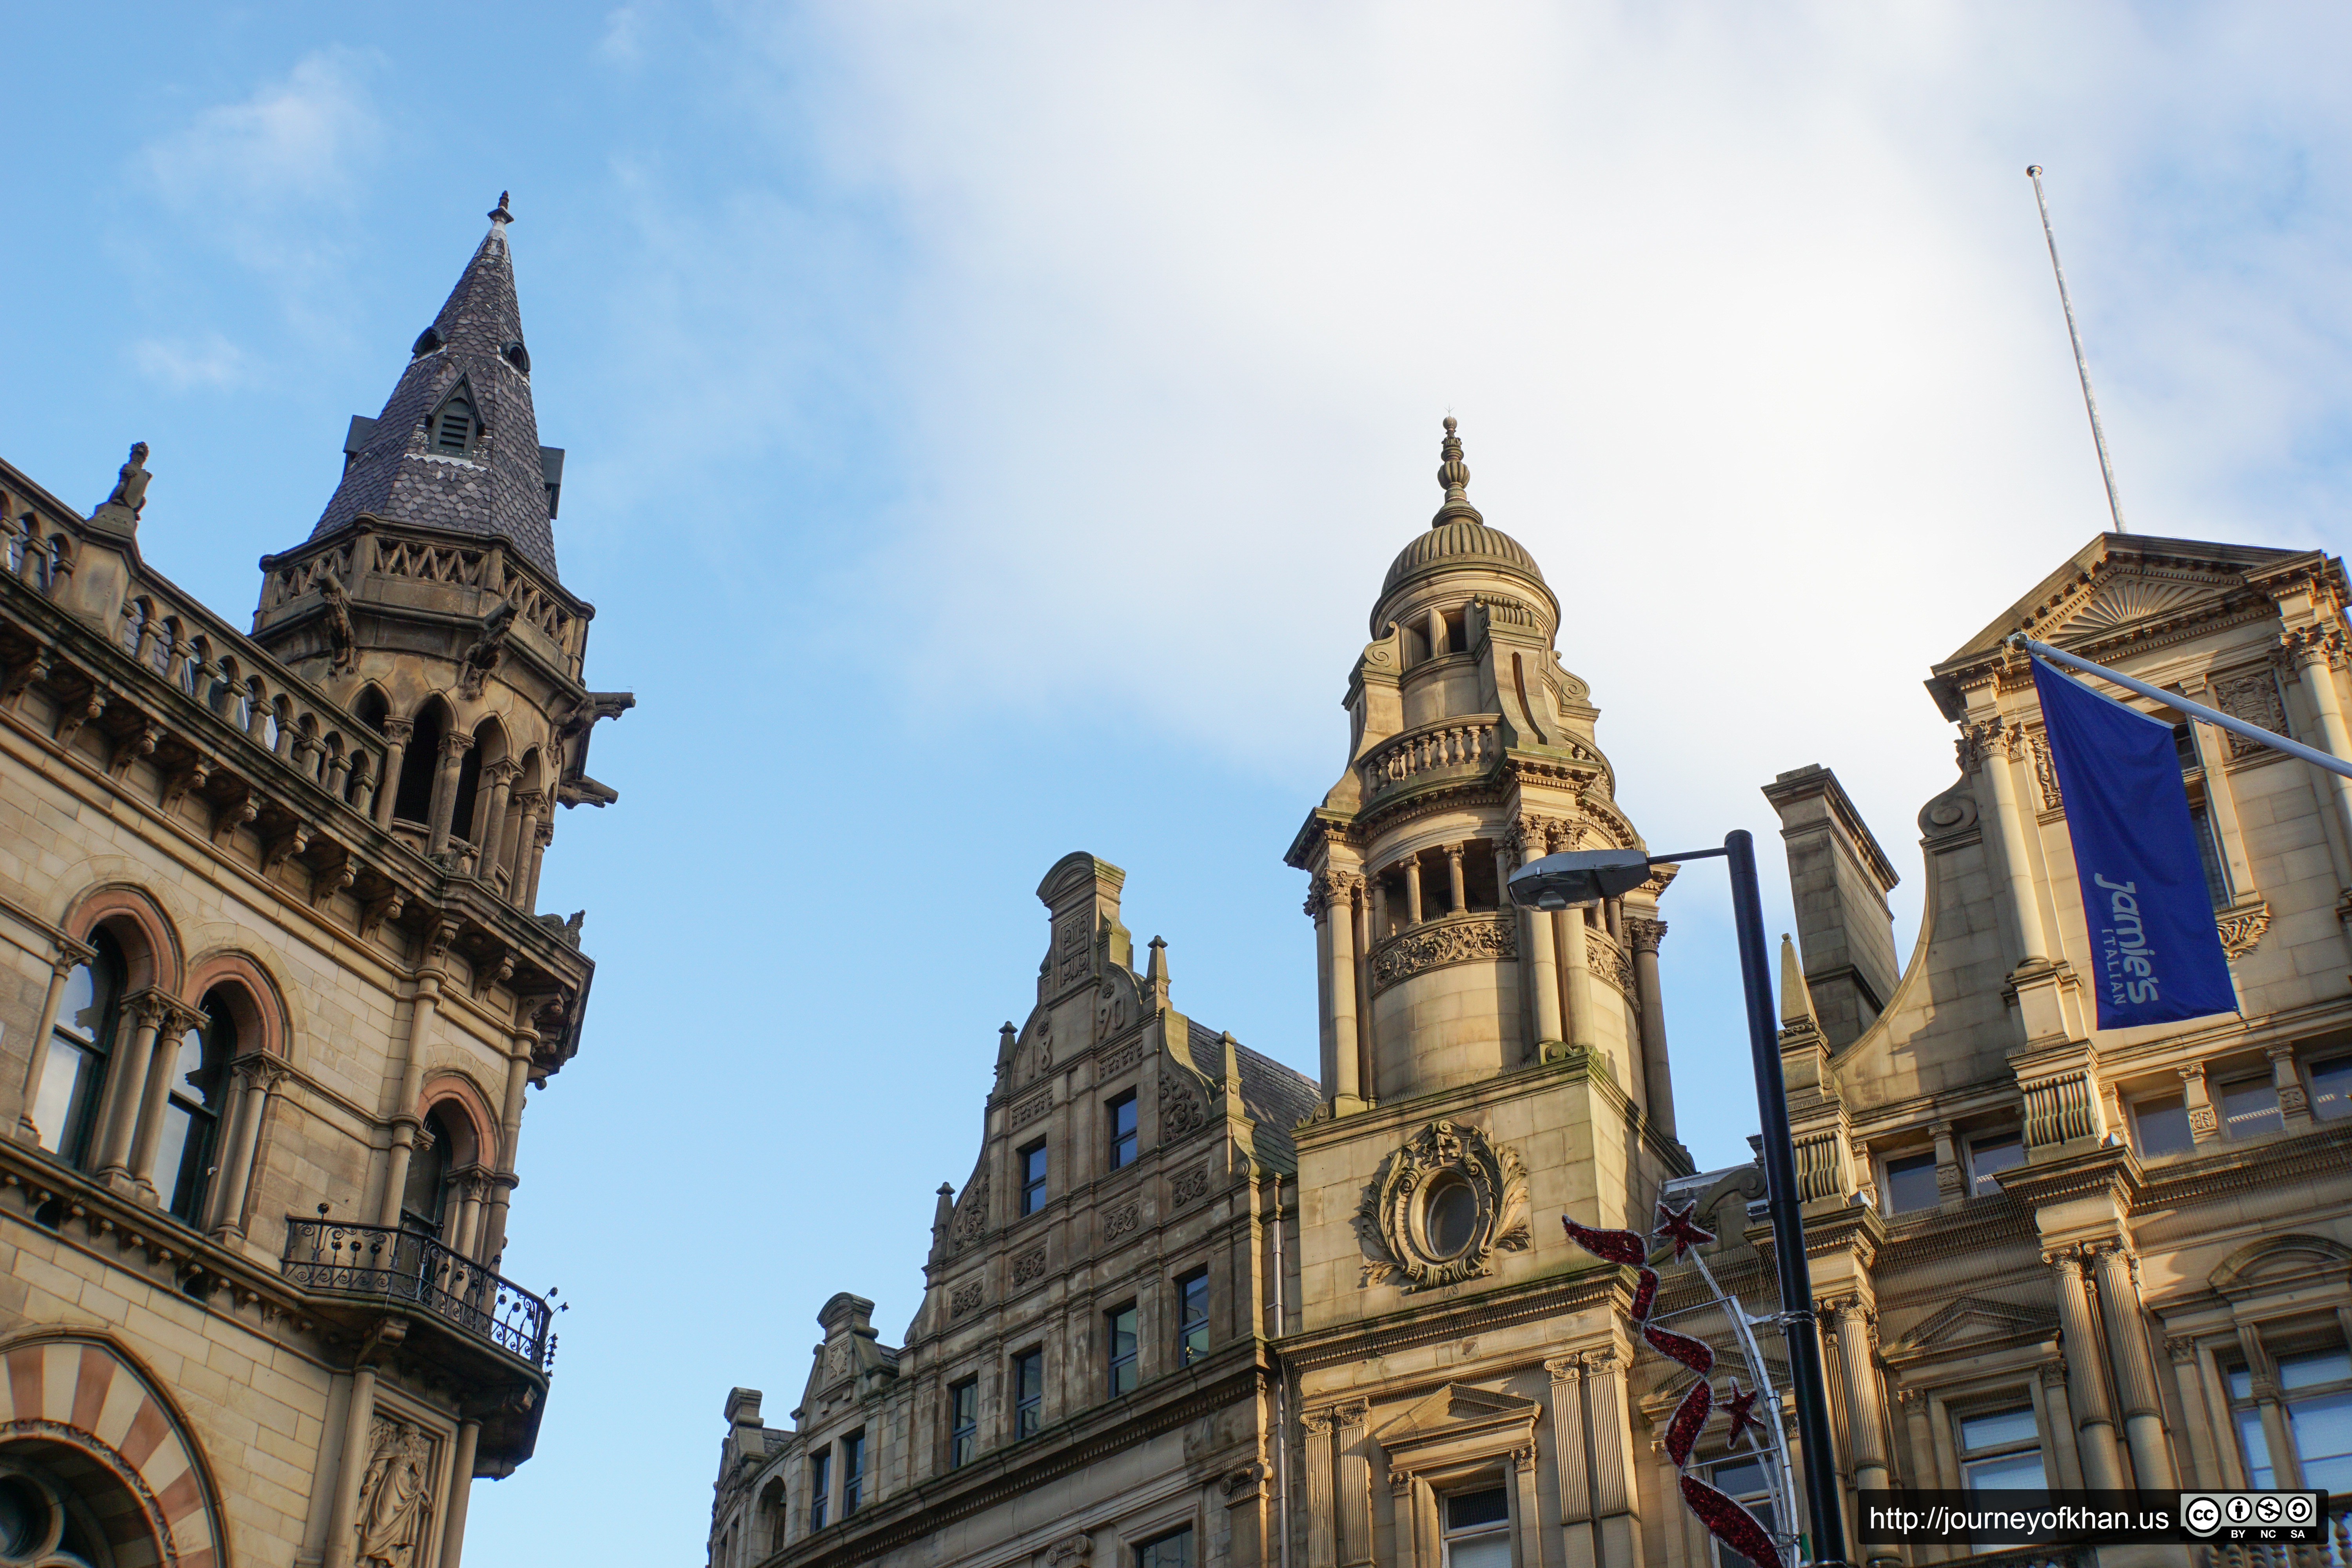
[[340, 630], [474, 665]]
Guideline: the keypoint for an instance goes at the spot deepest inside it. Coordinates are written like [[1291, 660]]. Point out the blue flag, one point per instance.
[[2156, 954]]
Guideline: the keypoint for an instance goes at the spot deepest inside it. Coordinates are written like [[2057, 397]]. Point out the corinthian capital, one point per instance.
[[1644, 933]]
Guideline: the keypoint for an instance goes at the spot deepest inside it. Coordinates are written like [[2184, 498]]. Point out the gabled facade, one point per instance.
[[275, 990], [2086, 1256]]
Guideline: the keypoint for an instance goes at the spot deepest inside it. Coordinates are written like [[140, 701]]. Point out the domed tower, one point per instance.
[[427, 600], [1472, 749]]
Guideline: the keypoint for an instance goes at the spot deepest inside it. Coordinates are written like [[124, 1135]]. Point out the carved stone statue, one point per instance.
[[119, 510], [341, 632], [395, 1497], [485, 652]]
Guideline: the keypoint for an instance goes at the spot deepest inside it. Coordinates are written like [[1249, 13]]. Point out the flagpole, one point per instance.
[[2213, 716], [2082, 365]]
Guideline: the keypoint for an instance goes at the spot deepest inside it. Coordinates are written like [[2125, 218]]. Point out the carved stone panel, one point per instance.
[[1441, 1207], [396, 1511], [1181, 1113], [1453, 939]]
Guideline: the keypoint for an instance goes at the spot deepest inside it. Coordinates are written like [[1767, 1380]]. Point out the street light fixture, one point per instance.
[[1585, 876]]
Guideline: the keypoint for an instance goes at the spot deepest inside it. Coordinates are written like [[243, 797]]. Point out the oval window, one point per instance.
[[1449, 1216]]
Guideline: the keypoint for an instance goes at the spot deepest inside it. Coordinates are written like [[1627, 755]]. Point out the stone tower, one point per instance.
[[274, 989], [1485, 1070]]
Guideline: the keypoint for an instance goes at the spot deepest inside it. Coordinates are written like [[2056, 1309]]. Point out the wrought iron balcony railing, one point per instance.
[[377, 1260]]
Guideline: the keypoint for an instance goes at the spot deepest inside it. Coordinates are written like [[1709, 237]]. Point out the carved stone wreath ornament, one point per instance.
[[1441, 1207]]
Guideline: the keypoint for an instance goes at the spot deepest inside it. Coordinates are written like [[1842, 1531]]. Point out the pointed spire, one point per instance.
[[943, 1212], [1455, 475], [486, 474], [1155, 973], [1796, 997]]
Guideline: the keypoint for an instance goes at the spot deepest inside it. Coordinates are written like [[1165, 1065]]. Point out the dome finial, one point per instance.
[[501, 213], [1455, 475]]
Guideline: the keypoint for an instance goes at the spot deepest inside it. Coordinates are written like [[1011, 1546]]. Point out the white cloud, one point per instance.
[[1745, 314], [185, 364], [260, 175], [623, 43]]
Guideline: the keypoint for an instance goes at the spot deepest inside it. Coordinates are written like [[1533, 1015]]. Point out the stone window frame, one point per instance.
[[1882, 1160], [1157, 1522], [1423, 1470], [1935, 1394], [2295, 1306]]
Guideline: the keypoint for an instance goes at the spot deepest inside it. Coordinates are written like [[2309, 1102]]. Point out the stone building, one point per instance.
[[275, 987], [2043, 1253]]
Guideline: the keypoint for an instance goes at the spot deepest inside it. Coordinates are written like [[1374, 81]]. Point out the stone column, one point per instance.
[[160, 1065], [1457, 900], [539, 841], [1616, 1525], [257, 1074], [502, 774], [61, 969], [125, 1088], [466, 1230], [1412, 889], [2086, 1386], [365, 786], [2294, 1104], [1536, 947], [2134, 1369], [1338, 892], [342, 1517], [1951, 1180], [461, 1488], [1568, 1460], [1646, 934], [2314, 656], [2181, 1350], [2277, 1435], [1575, 977], [1322, 1535], [1360, 908], [1530, 1524], [1865, 1443], [526, 846], [2204, 1121], [454, 747], [2066, 1455], [525, 1043], [396, 734], [1353, 1465], [1404, 1513], [1992, 743], [405, 1122]]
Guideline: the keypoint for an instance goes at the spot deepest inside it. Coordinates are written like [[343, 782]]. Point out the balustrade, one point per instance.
[[1460, 744], [330, 1259]]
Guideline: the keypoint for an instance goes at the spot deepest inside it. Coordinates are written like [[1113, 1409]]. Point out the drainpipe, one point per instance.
[[1281, 1390]]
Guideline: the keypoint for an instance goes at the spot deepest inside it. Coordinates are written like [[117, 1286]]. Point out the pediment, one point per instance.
[[1456, 1410], [1980, 1318], [2281, 1261], [2124, 580]]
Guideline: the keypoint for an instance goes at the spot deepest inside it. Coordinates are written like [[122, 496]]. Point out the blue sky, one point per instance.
[[988, 427]]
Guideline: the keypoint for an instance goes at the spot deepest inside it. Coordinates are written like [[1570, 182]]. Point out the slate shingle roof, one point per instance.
[[1278, 1097], [501, 491]]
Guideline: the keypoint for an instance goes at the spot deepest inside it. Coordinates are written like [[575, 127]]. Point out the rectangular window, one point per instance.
[[1122, 1130], [820, 1486], [1118, 1327], [2161, 1125], [1033, 1177], [2001, 1450], [964, 1422], [1028, 1393], [1192, 1319], [1478, 1529], [2331, 1089], [1911, 1184], [1745, 1481], [1988, 1157], [2315, 1397], [2251, 1106], [853, 1472], [1173, 1550], [2208, 846]]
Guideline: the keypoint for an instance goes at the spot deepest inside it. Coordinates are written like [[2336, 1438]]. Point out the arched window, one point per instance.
[[372, 709], [44, 1519], [455, 424], [414, 801], [426, 1197], [80, 1047], [184, 1156]]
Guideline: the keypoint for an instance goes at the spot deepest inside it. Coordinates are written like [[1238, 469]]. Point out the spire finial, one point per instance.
[[1796, 997], [500, 214], [1455, 475]]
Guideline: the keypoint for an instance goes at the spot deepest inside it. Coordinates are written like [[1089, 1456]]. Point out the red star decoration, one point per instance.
[[1741, 1408], [1680, 1229]]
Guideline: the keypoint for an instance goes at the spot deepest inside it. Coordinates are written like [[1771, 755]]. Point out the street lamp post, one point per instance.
[[1580, 877]]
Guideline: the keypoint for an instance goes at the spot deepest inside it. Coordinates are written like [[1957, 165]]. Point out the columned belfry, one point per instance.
[[1471, 751]]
